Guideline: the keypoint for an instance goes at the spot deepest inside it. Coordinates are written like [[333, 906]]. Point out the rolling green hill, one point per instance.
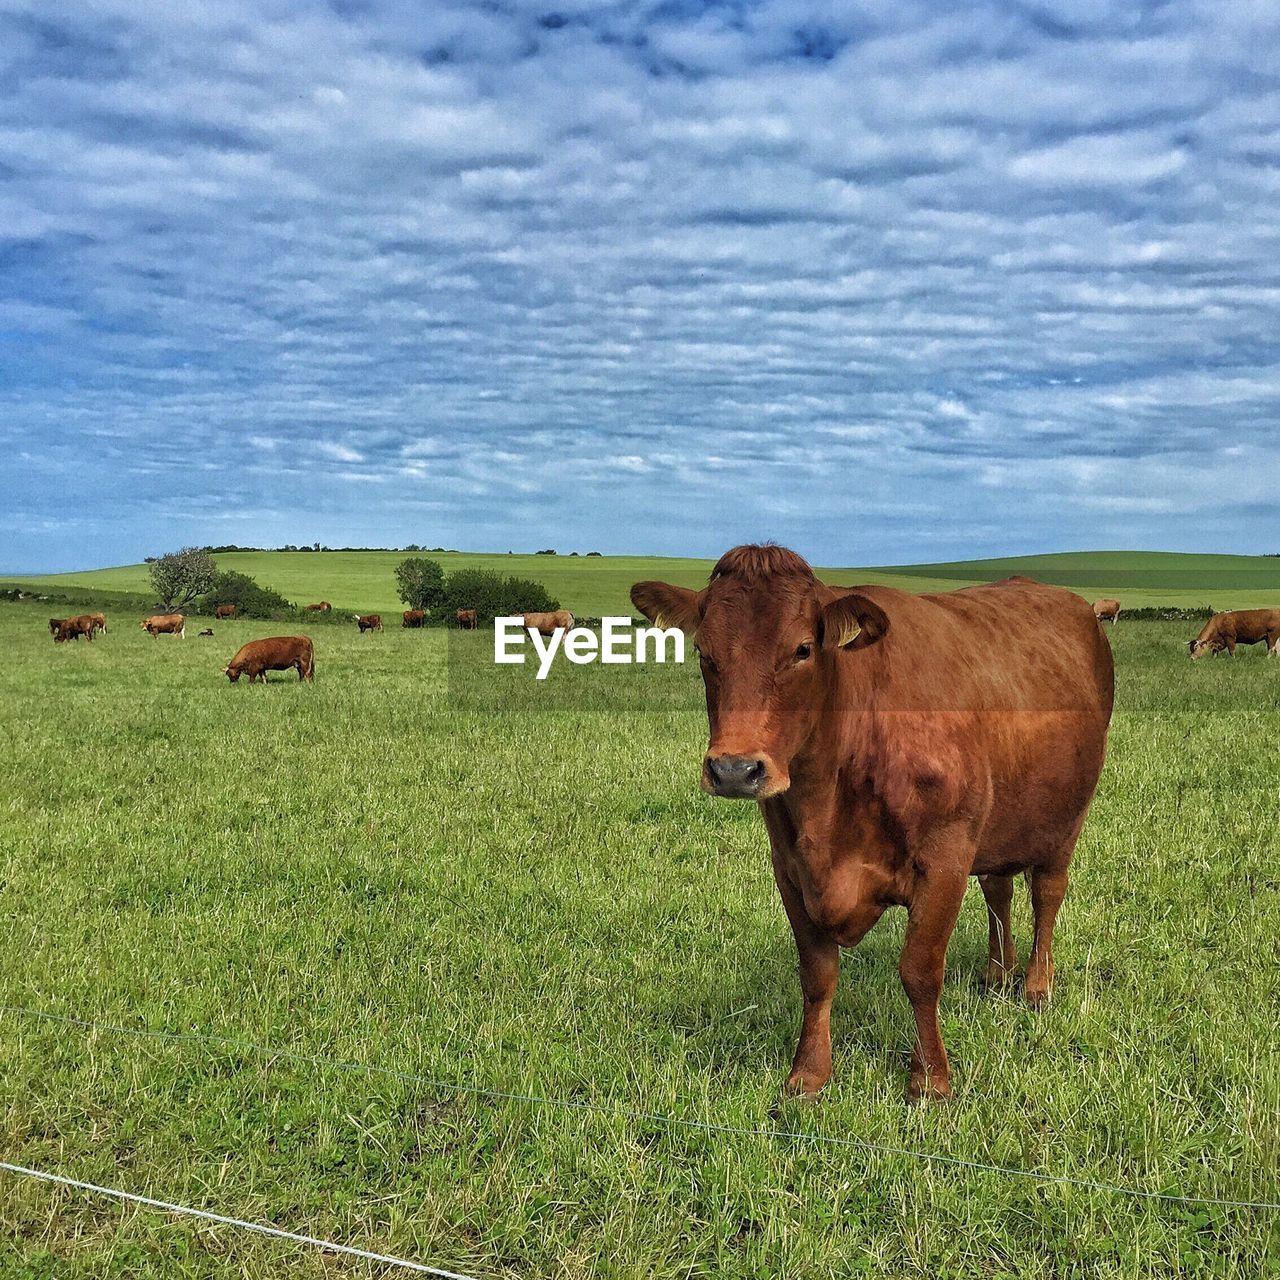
[[364, 580]]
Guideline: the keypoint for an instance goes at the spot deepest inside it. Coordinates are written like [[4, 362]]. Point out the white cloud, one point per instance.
[[339, 452]]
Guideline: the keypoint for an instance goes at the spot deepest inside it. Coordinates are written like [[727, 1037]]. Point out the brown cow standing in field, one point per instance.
[[224, 611], [99, 621], [74, 628], [898, 744], [414, 618], [1106, 610], [467, 619], [323, 607], [546, 623], [368, 621], [165, 624], [1240, 626], [278, 653]]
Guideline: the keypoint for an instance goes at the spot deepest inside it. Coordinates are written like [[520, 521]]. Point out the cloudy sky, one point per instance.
[[888, 281]]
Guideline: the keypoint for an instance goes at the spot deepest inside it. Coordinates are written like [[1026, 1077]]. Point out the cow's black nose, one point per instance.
[[739, 777]]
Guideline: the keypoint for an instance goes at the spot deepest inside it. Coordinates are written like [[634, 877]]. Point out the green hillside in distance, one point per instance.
[[364, 581]]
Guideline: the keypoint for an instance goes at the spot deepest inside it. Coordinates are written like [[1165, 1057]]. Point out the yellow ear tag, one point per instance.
[[851, 632]]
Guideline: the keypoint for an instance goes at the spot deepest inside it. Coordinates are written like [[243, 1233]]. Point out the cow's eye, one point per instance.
[[707, 663], [804, 652]]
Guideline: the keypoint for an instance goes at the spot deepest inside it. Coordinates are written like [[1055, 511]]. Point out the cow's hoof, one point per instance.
[[1038, 988], [802, 1088], [997, 977], [922, 1088]]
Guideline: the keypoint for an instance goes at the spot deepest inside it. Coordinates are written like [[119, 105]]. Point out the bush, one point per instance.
[[1167, 613], [180, 576], [493, 596], [250, 598], [421, 583]]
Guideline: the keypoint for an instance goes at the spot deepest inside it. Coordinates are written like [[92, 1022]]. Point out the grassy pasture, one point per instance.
[[544, 903], [365, 580]]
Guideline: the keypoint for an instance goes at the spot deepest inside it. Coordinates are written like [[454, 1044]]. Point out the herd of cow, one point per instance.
[[896, 744], [280, 653]]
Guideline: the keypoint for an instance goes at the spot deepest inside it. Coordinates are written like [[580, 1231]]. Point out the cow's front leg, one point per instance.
[[819, 973], [932, 915]]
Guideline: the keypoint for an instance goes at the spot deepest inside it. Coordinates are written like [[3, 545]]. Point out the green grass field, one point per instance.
[[364, 581], [543, 903]]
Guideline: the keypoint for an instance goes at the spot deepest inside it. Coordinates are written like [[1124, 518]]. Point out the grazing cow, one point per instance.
[[414, 618], [546, 623], [323, 607], [54, 624], [278, 653], [1106, 610], [224, 611], [74, 628], [898, 744], [1240, 626], [467, 619], [368, 621], [208, 631], [165, 624]]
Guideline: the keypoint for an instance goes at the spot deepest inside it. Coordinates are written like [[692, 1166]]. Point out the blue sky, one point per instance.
[[886, 281]]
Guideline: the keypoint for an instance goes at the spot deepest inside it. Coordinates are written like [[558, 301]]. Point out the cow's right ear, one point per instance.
[[668, 606], [853, 622]]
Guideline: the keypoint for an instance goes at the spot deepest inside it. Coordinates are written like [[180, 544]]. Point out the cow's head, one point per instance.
[[767, 634], [1202, 647], [232, 672]]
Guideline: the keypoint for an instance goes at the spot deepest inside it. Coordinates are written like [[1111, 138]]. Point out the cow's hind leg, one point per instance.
[[1002, 954], [1048, 888]]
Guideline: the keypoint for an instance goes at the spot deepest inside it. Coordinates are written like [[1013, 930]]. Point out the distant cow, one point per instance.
[[1106, 610], [414, 618], [898, 744], [467, 619], [278, 653], [225, 611], [548, 622], [208, 631], [323, 607], [368, 621], [1241, 626], [165, 624], [54, 624], [74, 628], [99, 621]]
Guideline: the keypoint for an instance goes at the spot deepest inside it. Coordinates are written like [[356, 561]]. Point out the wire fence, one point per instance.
[[647, 1117], [222, 1220]]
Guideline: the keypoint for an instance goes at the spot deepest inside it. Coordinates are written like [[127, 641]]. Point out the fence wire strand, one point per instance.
[[222, 1220], [647, 1117]]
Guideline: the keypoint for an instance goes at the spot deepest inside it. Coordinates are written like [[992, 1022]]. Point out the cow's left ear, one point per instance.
[[853, 622]]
